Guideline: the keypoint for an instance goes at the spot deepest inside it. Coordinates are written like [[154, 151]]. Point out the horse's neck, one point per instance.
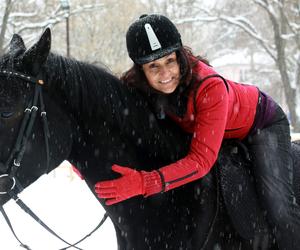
[[89, 95], [72, 84]]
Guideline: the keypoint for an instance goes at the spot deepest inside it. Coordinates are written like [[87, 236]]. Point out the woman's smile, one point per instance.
[[166, 81]]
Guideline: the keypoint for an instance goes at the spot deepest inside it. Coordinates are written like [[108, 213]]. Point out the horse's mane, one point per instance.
[[83, 87]]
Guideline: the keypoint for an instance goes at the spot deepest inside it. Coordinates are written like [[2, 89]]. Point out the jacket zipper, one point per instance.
[[181, 178]]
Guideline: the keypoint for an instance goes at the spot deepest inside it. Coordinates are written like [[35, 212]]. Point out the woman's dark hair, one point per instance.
[[136, 78]]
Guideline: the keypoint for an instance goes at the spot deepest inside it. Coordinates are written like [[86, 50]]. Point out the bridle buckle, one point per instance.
[[3, 176], [17, 164]]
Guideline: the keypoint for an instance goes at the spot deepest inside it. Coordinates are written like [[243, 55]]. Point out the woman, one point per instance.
[[187, 89]]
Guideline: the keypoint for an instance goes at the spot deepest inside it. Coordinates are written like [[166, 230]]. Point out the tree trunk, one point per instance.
[[290, 94], [279, 27], [4, 24]]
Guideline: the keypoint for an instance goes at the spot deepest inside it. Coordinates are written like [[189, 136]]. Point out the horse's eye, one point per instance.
[[6, 114]]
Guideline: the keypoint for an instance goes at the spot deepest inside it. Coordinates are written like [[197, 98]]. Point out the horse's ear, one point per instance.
[[16, 45], [34, 58]]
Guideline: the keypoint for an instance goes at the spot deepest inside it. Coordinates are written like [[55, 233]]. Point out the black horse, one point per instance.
[[94, 121]]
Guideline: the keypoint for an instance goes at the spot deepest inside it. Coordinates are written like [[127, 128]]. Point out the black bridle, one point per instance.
[[13, 163], [8, 170]]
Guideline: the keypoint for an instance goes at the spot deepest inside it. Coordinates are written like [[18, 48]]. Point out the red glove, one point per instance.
[[132, 183]]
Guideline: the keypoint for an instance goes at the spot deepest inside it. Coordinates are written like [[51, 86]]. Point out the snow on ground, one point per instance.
[[67, 206]]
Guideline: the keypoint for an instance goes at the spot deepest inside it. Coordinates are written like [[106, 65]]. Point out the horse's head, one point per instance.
[[23, 147]]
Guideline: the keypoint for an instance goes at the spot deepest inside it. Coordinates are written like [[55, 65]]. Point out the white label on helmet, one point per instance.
[[154, 43]]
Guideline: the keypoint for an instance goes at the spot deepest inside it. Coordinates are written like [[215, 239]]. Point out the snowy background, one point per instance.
[[64, 202], [237, 38]]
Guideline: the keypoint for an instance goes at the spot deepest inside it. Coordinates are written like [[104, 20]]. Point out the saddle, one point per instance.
[[238, 190]]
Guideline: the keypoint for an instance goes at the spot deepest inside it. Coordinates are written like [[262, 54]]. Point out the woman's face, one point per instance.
[[163, 74]]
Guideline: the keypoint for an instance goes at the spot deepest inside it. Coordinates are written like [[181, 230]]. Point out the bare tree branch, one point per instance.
[[251, 32], [59, 17], [240, 22]]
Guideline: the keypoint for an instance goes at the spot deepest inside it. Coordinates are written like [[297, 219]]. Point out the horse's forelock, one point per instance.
[[11, 62], [4, 62]]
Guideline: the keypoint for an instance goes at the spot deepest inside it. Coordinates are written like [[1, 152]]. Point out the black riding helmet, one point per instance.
[[152, 37]]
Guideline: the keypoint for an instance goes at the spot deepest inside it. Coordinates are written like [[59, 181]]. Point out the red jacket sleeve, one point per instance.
[[210, 121]]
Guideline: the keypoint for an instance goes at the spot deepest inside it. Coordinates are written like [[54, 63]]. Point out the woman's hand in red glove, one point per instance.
[[125, 187], [130, 184]]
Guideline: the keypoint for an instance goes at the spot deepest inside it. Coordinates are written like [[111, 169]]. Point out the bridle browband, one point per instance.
[[8, 170]]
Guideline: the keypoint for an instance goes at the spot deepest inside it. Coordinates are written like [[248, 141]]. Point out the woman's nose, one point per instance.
[[165, 72]]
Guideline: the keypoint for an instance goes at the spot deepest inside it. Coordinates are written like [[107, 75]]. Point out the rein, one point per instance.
[[8, 170]]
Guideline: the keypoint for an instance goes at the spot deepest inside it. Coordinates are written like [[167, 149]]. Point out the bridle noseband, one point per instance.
[[8, 170]]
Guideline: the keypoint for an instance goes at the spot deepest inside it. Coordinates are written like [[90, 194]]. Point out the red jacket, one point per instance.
[[220, 113]]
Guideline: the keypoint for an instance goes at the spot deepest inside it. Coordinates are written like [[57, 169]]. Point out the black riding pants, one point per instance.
[[270, 149]]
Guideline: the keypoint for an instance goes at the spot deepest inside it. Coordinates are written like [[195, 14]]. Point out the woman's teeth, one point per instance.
[[166, 81]]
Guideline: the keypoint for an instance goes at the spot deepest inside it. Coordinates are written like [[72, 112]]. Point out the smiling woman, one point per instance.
[[212, 109], [163, 74]]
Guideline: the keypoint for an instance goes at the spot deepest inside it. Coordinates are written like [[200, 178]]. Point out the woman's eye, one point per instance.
[[171, 61], [6, 114], [153, 66]]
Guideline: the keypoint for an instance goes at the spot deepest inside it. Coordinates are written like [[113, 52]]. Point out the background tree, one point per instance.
[[274, 27]]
